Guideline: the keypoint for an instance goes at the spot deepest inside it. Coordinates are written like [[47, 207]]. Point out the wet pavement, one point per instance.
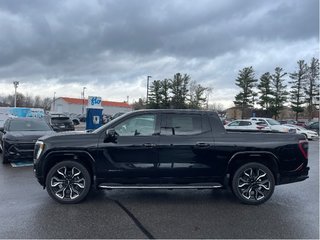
[[26, 211]]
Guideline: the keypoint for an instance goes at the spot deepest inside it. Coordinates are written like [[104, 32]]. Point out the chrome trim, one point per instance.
[[106, 186]]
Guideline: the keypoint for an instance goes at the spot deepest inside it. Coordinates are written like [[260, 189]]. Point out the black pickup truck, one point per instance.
[[169, 149]]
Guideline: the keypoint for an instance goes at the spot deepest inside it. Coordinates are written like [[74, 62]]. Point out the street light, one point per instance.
[[15, 84], [84, 88], [148, 88], [54, 102]]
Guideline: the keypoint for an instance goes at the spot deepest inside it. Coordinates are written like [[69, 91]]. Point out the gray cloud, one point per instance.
[[124, 40]]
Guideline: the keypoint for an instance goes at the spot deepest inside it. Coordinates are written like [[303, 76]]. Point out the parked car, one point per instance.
[[274, 125], [19, 135], [60, 122], [310, 135], [186, 149], [74, 118], [314, 126], [288, 121], [82, 117], [301, 123], [247, 125]]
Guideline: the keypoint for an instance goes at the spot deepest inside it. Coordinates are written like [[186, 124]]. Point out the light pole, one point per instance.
[[15, 84], [148, 88], [54, 102], [84, 88]]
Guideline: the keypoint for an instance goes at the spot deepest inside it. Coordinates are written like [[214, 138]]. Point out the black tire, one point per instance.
[[68, 182], [253, 183]]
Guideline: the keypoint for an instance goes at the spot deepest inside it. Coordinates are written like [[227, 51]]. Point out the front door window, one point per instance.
[[143, 125]]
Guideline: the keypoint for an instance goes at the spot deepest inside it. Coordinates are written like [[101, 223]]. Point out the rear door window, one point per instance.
[[182, 124], [245, 123]]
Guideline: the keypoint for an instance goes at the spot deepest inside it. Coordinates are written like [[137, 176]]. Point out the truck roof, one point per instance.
[[176, 110]]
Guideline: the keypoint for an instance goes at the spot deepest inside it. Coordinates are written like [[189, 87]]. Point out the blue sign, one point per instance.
[[94, 102]]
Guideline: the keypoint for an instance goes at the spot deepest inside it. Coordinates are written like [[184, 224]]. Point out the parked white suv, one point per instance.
[[245, 124], [274, 125]]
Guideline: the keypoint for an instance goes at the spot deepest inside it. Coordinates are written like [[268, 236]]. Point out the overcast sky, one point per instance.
[[110, 47]]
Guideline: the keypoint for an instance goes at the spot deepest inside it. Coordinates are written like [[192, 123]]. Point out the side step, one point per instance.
[[162, 186]]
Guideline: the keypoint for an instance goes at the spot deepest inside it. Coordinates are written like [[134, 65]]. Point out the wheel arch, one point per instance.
[[264, 157], [55, 157]]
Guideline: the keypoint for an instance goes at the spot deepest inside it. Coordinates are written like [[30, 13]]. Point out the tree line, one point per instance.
[[180, 92], [271, 92], [26, 101]]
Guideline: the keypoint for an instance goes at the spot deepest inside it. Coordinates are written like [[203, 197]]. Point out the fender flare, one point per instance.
[[275, 160], [72, 153]]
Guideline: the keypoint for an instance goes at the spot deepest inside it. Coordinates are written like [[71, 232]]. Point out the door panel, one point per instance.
[[133, 153], [185, 147]]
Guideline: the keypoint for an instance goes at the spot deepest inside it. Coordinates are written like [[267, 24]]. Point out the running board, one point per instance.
[[204, 186]]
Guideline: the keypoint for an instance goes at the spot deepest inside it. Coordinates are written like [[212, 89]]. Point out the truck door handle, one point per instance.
[[148, 145], [203, 145]]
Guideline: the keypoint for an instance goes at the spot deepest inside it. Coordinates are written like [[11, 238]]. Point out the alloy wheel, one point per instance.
[[68, 182], [253, 183]]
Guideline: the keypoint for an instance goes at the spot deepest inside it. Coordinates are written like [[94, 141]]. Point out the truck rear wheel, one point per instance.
[[253, 183], [68, 182]]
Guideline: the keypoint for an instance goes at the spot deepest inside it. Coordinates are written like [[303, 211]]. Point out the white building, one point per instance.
[[78, 106]]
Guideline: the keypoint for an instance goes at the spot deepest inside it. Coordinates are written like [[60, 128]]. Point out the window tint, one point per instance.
[[235, 123], [273, 122], [182, 124], [244, 123], [143, 125], [28, 125]]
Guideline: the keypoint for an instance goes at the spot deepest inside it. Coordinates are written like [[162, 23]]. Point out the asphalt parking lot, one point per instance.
[[27, 211]]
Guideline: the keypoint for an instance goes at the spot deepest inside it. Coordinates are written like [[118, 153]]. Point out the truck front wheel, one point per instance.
[[68, 182], [253, 183]]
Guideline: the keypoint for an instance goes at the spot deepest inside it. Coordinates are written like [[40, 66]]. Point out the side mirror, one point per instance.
[[1, 129], [111, 135]]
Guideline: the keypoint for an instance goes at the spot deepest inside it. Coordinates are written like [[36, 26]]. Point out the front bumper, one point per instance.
[[15, 151]]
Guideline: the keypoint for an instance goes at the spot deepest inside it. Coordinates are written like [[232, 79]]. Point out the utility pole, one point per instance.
[[148, 88], [54, 102], [83, 99], [15, 84]]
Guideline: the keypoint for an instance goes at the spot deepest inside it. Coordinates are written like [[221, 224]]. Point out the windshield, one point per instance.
[[28, 125], [273, 122]]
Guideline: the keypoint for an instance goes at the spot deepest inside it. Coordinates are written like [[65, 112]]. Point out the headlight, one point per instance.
[[38, 149]]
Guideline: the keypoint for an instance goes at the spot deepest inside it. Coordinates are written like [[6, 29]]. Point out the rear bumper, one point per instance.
[[296, 177]]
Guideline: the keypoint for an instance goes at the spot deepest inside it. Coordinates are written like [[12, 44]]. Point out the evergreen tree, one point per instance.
[[155, 97], [278, 91], [179, 90], [165, 91], [297, 94], [265, 91], [197, 99], [246, 81], [311, 88]]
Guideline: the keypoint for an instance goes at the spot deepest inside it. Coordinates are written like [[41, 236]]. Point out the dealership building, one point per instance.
[[78, 106]]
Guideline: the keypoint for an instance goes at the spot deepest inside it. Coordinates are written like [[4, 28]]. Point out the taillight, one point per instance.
[[303, 146]]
